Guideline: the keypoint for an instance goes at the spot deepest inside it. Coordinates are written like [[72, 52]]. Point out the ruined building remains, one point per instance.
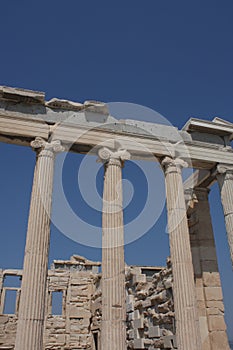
[[76, 324], [125, 307]]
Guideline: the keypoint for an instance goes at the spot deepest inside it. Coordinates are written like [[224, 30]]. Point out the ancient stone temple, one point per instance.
[[75, 305]]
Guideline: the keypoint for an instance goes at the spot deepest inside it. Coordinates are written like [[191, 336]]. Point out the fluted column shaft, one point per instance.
[[32, 300], [113, 328], [187, 325], [225, 181]]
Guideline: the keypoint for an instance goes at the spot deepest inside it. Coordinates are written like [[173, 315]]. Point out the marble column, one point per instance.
[[113, 327], [32, 300], [225, 181], [187, 324]]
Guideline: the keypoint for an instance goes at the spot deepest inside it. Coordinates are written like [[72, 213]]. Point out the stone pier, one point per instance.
[[206, 273], [225, 180], [187, 326], [113, 327], [32, 300]]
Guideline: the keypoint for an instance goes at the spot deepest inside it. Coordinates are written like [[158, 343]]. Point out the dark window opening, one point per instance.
[[95, 336], [10, 302], [57, 303]]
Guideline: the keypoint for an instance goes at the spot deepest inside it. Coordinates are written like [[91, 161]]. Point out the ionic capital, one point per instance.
[[113, 157], [224, 169], [45, 147], [173, 165]]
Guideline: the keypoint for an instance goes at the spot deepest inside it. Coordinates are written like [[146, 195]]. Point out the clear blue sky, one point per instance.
[[175, 57]]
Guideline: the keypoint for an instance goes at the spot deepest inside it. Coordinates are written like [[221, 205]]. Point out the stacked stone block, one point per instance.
[[150, 309]]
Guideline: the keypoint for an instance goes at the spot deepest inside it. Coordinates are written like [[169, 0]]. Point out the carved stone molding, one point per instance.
[[110, 157]]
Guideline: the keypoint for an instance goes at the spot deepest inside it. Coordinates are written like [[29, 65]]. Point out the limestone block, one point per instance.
[[59, 280], [154, 332], [3, 319], [216, 323], [77, 328], [130, 316], [214, 311], [208, 253], [135, 270], [198, 282], [24, 95], [213, 293], [219, 340], [146, 303], [130, 299], [165, 307], [57, 324], [211, 279], [10, 327], [95, 269], [138, 304], [136, 314], [138, 344], [206, 344], [201, 308], [79, 292], [136, 333], [79, 312], [82, 322], [168, 283], [200, 293], [169, 342], [215, 304], [59, 339], [139, 278], [196, 260], [203, 329], [131, 334], [58, 273], [76, 280], [81, 339], [138, 323], [81, 281], [129, 307], [96, 304], [209, 265], [161, 297]]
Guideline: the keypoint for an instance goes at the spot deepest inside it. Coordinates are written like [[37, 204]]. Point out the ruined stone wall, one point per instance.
[[150, 321], [150, 311], [71, 330], [150, 316], [74, 281]]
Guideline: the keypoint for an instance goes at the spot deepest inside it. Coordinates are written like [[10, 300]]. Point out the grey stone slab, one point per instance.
[[138, 323], [154, 332], [138, 344]]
